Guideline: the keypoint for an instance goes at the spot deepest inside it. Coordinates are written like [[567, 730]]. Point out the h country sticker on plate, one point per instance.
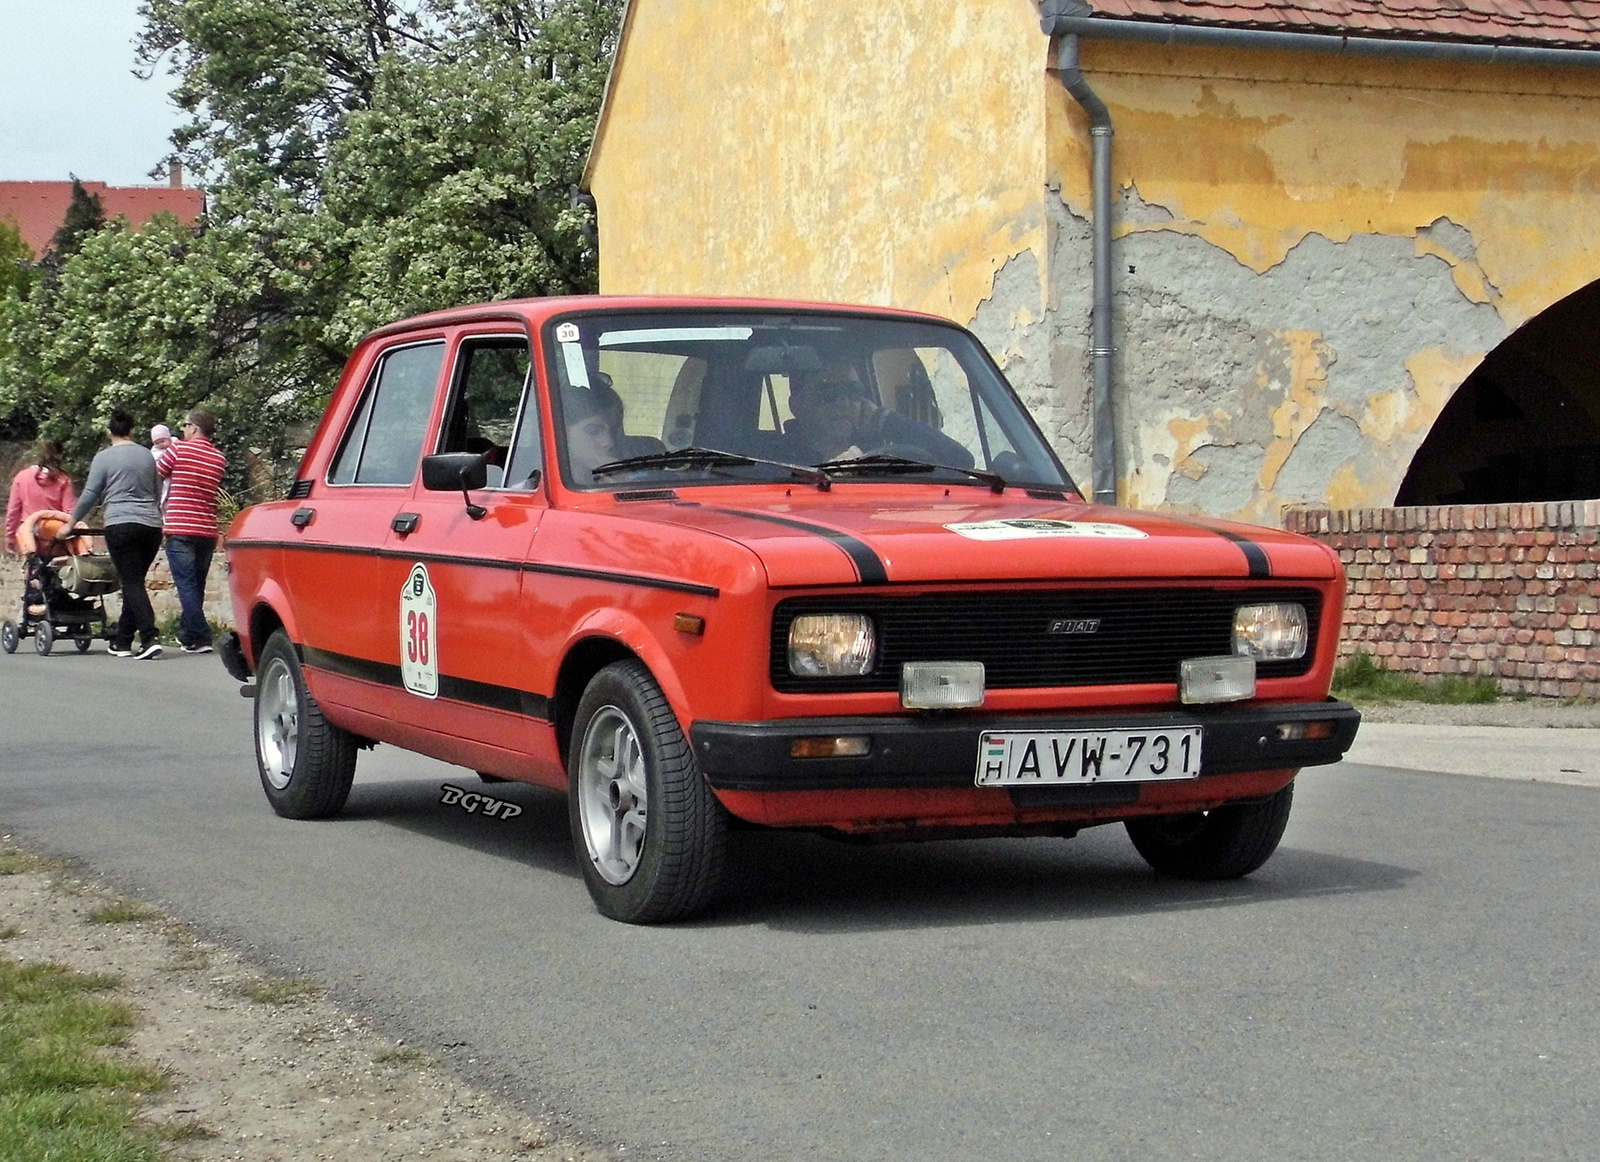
[[1065, 757], [419, 634], [1030, 528]]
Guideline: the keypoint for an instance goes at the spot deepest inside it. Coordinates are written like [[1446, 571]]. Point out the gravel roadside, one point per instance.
[[259, 1068]]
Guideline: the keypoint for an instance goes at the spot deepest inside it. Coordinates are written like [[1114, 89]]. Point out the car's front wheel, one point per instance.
[[306, 762], [1223, 844], [650, 836]]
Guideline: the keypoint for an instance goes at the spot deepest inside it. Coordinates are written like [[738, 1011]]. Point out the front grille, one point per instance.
[[1142, 634]]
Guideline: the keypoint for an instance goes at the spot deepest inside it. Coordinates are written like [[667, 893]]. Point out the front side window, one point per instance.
[[652, 398], [490, 384], [383, 444]]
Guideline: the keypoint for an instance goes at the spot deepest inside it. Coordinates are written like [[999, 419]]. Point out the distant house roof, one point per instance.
[[37, 209], [1546, 23]]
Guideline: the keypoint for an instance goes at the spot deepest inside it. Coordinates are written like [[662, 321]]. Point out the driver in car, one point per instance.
[[836, 418]]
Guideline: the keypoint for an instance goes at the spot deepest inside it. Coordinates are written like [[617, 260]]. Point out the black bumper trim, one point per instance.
[[923, 752]]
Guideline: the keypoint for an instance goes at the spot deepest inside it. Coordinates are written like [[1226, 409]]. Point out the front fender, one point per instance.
[[622, 626]]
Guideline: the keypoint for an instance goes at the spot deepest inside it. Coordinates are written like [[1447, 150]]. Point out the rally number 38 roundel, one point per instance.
[[419, 641]]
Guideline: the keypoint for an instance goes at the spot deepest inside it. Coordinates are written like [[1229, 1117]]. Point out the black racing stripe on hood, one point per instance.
[[869, 566], [1254, 554]]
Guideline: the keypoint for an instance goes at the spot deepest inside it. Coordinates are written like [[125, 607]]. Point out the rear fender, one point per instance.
[[268, 607]]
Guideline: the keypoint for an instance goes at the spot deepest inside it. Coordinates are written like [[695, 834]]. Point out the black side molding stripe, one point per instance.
[[1254, 554], [869, 566], [505, 698], [489, 563]]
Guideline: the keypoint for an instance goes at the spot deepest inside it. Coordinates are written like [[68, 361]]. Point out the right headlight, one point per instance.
[[1270, 633], [831, 645]]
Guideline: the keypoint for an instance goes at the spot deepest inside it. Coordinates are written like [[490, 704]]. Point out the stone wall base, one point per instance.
[[163, 597], [1503, 591]]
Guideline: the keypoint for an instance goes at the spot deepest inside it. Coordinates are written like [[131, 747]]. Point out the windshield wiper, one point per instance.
[[693, 457], [885, 465]]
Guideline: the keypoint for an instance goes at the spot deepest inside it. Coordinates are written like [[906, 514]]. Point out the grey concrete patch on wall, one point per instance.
[[1044, 352], [1207, 342]]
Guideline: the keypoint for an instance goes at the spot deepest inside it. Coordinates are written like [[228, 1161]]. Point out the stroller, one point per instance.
[[64, 588]]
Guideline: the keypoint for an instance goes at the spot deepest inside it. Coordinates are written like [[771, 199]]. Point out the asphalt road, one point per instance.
[[1414, 974]]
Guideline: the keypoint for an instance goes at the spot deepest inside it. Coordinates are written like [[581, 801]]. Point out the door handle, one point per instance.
[[406, 523], [301, 517]]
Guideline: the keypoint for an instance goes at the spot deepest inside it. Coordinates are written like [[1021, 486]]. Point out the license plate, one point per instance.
[[1067, 757]]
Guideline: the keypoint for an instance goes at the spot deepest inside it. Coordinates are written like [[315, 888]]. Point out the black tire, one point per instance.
[[82, 643], [674, 867], [9, 637], [44, 636], [1223, 844], [306, 763]]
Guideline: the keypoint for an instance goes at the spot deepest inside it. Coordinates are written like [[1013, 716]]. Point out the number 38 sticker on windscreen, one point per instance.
[[419, 640]]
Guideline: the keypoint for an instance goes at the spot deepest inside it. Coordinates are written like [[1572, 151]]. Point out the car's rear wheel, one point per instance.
[[306, 762], [9, 637], [650, 836], [1223, 844]]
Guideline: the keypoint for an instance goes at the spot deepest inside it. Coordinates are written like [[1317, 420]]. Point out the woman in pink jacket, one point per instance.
[[42, 485]]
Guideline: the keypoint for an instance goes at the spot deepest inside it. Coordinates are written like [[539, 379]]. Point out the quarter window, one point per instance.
[[384, 442]]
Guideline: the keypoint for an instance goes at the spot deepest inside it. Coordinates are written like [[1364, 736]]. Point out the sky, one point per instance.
[[69, 102]]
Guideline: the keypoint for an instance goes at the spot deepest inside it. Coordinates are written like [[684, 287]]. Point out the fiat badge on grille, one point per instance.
[[1075, 625]]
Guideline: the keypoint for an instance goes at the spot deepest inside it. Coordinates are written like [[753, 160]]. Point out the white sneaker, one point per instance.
[[150, 651], [197, 649]]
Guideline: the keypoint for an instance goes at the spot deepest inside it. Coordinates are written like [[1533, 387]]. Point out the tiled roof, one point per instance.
[[1543, 23], [37, 209]]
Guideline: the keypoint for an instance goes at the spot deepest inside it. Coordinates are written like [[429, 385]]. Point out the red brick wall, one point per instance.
[[1507, 591]]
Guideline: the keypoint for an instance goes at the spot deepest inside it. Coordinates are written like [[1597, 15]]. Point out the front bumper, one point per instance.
[[940, 751]]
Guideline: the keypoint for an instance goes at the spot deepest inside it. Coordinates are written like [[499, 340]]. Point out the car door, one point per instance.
[[340, 581], [454, 604]]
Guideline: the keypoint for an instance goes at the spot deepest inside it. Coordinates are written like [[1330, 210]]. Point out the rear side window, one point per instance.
[[383, 444]]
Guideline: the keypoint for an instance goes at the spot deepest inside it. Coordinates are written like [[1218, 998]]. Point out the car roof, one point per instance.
[[534, 312]]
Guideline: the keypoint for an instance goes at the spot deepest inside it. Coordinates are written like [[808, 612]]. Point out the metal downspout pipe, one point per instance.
[[1100, 347]]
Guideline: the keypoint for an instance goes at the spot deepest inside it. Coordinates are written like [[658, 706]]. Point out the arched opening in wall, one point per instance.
[[1525, 426]]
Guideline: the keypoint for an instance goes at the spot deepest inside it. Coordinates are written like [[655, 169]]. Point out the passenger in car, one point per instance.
[[591, 435], [836, 418]]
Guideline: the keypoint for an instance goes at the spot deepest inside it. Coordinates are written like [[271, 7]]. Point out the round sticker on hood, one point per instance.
[[1028, 529]]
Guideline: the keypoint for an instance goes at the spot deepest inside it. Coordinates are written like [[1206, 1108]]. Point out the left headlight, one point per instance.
[[1270, 633], [831, 645]]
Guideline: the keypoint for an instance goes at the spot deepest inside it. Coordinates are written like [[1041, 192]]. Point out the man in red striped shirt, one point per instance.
[[194, 468]]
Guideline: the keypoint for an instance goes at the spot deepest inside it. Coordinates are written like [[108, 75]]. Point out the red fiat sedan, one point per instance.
[[799, 565]]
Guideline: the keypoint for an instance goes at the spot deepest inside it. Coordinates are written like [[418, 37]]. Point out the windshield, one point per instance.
[[771, 392]]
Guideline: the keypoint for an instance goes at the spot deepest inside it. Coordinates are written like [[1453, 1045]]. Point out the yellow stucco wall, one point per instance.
[[1254, 152], [922, 155], [888, 153]]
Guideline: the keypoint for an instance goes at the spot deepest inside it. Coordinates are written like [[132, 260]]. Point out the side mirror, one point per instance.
[[449, 471]]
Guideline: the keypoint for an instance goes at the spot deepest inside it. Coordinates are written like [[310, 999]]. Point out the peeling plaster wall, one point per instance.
[[1310, 257]]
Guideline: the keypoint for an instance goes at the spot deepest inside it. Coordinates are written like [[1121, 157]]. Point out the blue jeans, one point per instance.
[[190, 558]]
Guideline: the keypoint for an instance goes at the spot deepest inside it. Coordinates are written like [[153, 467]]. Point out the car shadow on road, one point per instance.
[[804, 882], [807, 883], [537, 836]]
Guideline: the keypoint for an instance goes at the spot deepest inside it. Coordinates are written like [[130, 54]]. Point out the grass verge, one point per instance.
[[60, 1097], [1362, 680]]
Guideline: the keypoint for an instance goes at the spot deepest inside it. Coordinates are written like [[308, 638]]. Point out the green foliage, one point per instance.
[[84, 216], [17, 270], [1361, 680], [363, 160], [59, 1097]]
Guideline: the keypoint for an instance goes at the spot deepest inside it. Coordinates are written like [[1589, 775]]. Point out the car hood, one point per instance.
[[832, 539]]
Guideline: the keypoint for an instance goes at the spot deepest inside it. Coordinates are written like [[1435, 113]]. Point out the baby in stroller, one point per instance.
[[64, 586]]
